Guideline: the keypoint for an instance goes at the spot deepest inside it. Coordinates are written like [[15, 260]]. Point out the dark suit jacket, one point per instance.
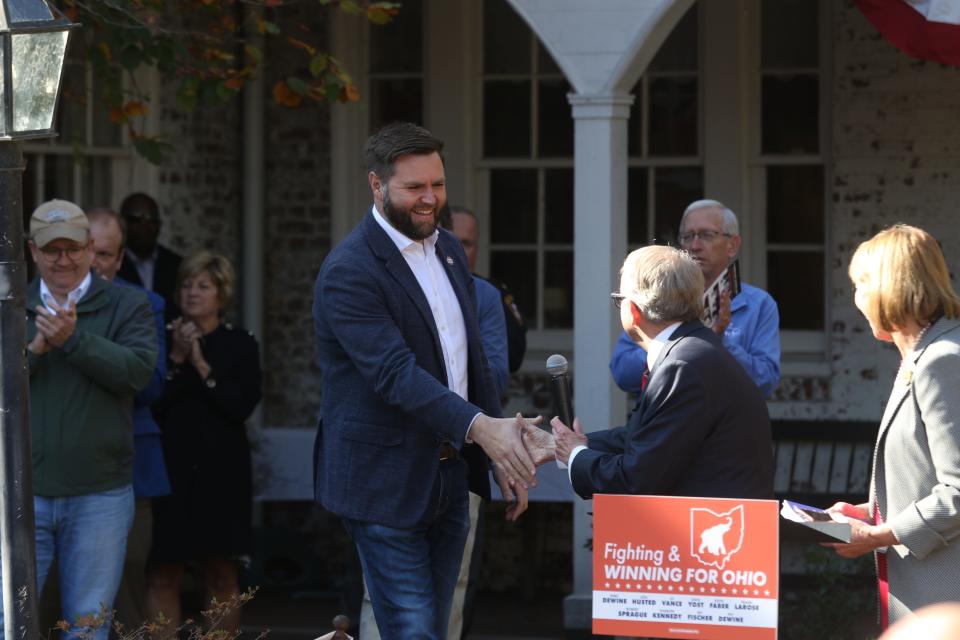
[[385, 404], [164, 279], [701, 429]]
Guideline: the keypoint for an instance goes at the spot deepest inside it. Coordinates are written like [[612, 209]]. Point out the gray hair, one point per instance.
[[668, 284], [729, 223]]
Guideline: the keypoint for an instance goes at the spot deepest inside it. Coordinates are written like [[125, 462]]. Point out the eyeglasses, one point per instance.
[[617, 299], [707, 236], [52, 255]]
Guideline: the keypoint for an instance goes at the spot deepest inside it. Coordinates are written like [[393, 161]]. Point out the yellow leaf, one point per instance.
[[105, 50], [134, 108]]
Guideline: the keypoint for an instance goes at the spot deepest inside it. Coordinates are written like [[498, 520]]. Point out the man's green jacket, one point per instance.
[[81, 395]]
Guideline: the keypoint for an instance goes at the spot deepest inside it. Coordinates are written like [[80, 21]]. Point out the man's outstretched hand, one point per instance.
[[540, 444], [567, 440], [500, 440]]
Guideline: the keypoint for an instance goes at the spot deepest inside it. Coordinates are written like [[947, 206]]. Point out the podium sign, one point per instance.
[[667, 567]]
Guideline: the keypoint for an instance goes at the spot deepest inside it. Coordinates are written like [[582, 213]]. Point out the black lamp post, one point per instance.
[[33, 43]]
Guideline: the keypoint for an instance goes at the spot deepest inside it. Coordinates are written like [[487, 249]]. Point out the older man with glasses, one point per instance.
[[701, 427], [749, 324], [91, 347]]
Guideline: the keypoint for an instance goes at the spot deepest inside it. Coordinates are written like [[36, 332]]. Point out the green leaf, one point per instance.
[[131, 57], [254, 53], [209, 92], [149, 148], [350, 6], [318, 64], [224, 93], [332, 90], [298, 86], [187, 94], [271, 27], [166, 59]]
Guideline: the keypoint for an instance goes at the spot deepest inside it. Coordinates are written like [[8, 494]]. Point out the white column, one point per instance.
[[600, 244]]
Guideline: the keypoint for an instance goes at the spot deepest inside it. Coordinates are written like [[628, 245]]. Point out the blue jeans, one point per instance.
[[411, 573], [88, 536]]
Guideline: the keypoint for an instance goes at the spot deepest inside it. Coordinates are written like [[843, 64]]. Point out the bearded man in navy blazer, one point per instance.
[[701, 427], [408, 399]]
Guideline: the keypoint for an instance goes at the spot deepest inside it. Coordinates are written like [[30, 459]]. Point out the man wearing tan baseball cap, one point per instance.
[[91, 346], [60, 245]]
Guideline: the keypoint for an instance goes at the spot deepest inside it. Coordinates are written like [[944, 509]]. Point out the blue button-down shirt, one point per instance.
[[752, 337]]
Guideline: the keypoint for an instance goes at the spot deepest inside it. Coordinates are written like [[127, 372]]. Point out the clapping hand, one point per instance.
[[56, 327], [186, 336]]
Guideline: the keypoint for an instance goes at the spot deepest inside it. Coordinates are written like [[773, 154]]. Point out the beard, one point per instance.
[[402, 219]]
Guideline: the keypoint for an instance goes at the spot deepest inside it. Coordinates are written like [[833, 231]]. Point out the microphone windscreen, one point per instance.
[[556, 365]]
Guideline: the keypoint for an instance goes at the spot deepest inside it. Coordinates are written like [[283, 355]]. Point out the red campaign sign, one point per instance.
[[670, 567]]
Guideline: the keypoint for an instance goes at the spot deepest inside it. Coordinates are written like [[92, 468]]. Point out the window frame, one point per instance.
[[128, 171], [803, 352]]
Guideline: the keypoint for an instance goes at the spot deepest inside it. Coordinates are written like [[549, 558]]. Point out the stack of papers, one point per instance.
[[810, 524]]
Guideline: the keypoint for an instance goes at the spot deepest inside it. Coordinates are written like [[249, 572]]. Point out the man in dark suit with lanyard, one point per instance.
[[701, 428], [407, 396]]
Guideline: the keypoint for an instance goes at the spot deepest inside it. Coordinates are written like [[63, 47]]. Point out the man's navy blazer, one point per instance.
[[701, 429], [386, 406]]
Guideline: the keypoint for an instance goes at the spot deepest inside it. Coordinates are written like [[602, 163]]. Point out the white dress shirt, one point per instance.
[[444, 305], [653, 352], [72, 297], [144, 267]]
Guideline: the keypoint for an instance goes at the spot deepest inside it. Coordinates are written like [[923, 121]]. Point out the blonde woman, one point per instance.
[[912, 517], [213, 385]]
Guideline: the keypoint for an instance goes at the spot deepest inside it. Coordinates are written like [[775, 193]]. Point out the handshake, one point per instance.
[[516, 446]]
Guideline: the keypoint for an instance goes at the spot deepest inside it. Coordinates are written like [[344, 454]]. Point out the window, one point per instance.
[[528, 168], [81, 164], [528, 149], [791, 168], [396, 68], [665, 161]]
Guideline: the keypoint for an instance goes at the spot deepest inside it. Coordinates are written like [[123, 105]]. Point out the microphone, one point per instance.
[[560, 386]]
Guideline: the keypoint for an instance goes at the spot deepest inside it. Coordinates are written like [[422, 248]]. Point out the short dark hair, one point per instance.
[[137, 202], [395, 140]]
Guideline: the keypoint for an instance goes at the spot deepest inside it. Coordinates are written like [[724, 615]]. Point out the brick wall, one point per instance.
[[200, 196], [895, 158], [297, 240]]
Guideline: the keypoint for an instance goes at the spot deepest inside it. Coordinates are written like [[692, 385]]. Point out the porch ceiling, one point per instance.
[[602, 46]]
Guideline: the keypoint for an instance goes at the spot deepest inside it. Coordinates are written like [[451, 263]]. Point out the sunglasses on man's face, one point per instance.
[[141, 216]]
